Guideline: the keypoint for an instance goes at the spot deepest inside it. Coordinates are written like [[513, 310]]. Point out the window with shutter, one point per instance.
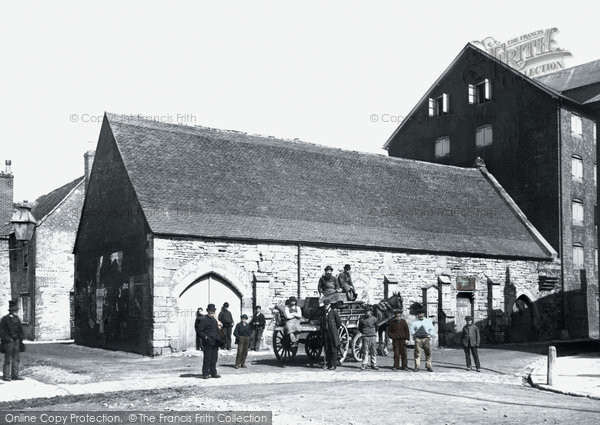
[[483, 136]]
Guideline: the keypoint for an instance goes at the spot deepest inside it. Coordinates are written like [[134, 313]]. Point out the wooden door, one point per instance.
[[464, 308]]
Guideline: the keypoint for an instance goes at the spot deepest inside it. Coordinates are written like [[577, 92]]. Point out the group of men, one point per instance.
[[214, 332], [330, 285]]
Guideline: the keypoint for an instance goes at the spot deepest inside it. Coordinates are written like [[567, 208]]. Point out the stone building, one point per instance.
[[6, 209], [538, 138], [176, 217]]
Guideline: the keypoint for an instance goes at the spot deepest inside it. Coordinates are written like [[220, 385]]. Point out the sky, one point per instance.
[[337, 73]]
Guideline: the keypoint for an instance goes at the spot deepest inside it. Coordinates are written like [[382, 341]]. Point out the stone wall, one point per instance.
[[267, 274], [5, 289]]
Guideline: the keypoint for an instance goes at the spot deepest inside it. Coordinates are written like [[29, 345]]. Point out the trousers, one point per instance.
[[425, 345], [11, 359], [400, 353], [242, 350], [209, 362], [256, 338], [369, 348], [468, 350]]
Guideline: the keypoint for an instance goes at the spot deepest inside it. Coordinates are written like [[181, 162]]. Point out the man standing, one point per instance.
[[367, 325], [330, 322], [257, 324], [226, 319], [328, 284], [470, 341], [345, 281], [211, 340], [422, 330], [242, 339], [11, 335], [199, 317], [399, 333]]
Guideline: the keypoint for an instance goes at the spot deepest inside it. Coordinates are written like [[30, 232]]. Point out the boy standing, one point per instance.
[[399, 334], [242, 334], [470, 341], [368, 327]]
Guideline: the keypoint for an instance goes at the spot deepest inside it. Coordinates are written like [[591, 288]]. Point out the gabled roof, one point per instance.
[[197, 181], [470, 47], [47, 203], [574, 77]]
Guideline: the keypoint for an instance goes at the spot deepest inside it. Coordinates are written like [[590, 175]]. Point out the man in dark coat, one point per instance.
[[470, 340], [226, 319], [199, 317], [11, 336], [345, 281], [257, 324], [242, 334], [330, 322], [211, 340], [399, 334], [328, 284]]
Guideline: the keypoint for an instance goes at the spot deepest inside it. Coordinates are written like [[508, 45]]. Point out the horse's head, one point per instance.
[[396, 300]]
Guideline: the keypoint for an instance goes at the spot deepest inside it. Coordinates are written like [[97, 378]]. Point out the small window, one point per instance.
[[577, 168], [596, 258], [594, 132], [483, 136], [439, 106], [577, 212], [25, 308], [442, 147], [578, 256], [575, 125], [480, 92]]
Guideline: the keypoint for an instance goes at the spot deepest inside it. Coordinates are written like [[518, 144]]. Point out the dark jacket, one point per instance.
[[258, 321], [328, 286], [345, 281], [398, 329], [470, 335], [197, 322], [329, 324], [368, 325], [11, 328], [241, 330], [226, 318], [209, 332]]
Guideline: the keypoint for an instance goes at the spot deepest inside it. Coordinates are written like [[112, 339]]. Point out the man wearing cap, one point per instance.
[[470, 339], [330, 322], [399, 333], [328, 284], [211, 340], [11, 336], [367, 325], [293, 314], [257, 324], [226, 319], [422, 330], [242, 334], [345, 281]]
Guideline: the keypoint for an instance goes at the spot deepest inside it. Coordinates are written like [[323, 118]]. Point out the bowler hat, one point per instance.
[[328, 268], [347, 267], [244, 316], [211, 307], [292, 298]]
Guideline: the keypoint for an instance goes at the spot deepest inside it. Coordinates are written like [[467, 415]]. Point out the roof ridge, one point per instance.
[[176, 128], [567, 69]]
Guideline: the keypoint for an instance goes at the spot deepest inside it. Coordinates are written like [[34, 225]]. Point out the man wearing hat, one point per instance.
[[257, 324], [399, 334], [330, 322], [328, 283], [292, 314], [345, 281], [470, 339], [226, 319], [242, 334], [11, 336], [367, 325], [422, 330], [211, 341]]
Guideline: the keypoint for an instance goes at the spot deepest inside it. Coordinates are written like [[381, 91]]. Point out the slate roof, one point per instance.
[[574, 77], [198, 181], [45, 204]]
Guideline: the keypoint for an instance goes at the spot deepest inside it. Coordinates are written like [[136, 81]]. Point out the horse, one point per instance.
[[385, 312]]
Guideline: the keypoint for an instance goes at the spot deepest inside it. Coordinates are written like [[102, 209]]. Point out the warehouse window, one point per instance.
[[577, 168], [439, 106], [25, 300], [578, 256], [480, 92], [577, 210], [575, 125], [483, 136], [442, 147]]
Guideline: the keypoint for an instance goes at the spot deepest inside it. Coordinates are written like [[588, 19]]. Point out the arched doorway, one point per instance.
[[209, 289], [521, 320]]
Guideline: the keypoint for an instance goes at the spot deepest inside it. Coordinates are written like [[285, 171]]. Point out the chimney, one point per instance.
[[6, 194], [88, 161]]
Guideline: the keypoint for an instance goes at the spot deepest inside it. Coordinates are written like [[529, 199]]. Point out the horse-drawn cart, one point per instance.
[[350, 313]]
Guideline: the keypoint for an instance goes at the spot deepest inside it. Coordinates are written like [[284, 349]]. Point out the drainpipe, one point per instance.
[[299, 268], [561, 224]]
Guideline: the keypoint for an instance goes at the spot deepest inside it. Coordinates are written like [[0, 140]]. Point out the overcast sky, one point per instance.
[[314, 70]]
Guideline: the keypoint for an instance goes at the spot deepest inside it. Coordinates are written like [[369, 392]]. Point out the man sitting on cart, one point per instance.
[[329, 287], [293, 314]]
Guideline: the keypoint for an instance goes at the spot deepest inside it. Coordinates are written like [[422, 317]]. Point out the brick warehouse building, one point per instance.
[[6, 209], [538, 138], [175, 217]]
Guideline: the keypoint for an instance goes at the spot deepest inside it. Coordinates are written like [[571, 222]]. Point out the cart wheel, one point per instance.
[[283, 348], [344, 343], [356, 347], [313, 346]]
